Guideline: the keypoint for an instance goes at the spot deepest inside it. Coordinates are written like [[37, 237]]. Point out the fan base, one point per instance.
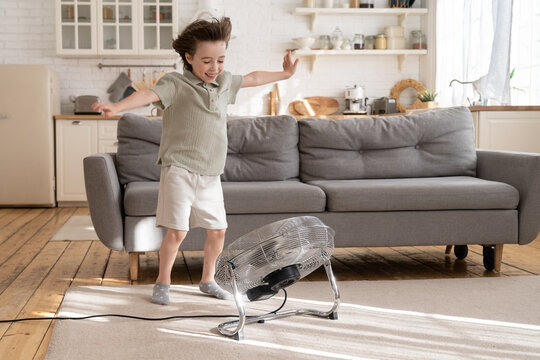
[[235, 328]]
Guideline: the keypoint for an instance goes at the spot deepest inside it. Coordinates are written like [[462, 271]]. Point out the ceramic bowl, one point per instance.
[[304, 43]]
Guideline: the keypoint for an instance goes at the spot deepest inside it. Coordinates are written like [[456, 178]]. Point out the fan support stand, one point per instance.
[[237, 331]]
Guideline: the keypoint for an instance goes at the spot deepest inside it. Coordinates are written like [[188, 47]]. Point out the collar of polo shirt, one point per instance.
[[195, 80]]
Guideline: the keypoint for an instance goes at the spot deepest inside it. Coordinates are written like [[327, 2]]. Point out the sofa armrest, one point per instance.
[[104, 194], [522, 171]]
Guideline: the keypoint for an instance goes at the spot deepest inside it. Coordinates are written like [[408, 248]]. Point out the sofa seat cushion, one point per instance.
[[257, 197], [140, 198], [267, 197], [435, 193]]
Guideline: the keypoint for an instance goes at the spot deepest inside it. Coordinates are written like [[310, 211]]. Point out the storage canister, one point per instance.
[[380, 42], [370, 42], [324, 42], [418, 40], [393, 31], [397, 42], [358, 41]]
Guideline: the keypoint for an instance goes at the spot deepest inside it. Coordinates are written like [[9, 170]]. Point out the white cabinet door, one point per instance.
[[509, 130], [157, 26], [117, 27], [76, 27], [107, 140], [75, 139]]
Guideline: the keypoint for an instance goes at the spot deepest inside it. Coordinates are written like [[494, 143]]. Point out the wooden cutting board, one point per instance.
[[314, 105]]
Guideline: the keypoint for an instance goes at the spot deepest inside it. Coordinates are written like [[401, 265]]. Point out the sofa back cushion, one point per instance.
[[262, 149], [138, 147], [432, 143]]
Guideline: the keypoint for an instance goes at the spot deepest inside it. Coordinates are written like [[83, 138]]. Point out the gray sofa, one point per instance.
[[377, 181]]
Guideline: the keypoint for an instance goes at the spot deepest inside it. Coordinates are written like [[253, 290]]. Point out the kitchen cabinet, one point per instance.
[[76, 27], [116, 27], [511, 130], [401, 13], [75, 139]]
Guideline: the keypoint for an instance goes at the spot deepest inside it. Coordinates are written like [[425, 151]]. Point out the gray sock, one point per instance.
[[212, 288], [161, 294]]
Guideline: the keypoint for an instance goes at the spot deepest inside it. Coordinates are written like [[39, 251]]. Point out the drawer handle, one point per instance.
[[3, 116], [76, 122]]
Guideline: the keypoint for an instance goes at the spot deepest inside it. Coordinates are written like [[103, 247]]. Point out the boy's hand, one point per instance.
[[108, 109], [289, 67]]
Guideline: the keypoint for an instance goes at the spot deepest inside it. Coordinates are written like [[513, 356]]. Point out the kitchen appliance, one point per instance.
[[384, 105], [29, 98], [355, 102], [83, 105]]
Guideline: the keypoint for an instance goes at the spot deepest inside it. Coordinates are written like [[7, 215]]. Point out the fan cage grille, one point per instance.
[[304, 241]]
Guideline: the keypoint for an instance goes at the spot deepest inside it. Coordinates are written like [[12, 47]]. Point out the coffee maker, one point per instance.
[[355, 102]]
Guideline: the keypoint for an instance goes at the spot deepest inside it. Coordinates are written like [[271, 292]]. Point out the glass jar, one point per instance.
[[324, 42], [370, 42], [366, 4], [418, 40], [346, 45], [337, 38], [358, 41], [380, 42]]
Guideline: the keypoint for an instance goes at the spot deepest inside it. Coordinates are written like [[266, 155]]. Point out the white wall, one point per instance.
[[263, 31]]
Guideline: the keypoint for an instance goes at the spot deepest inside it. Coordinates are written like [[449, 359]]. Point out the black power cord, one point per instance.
[[142, 318]]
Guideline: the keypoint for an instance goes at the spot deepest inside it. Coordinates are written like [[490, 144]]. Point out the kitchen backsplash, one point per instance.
[[262, 31]]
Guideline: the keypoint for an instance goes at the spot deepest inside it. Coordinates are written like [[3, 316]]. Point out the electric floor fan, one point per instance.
[[266, 260]]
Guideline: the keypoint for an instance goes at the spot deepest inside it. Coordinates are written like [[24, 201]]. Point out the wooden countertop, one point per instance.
[[505, 108], [85, 117], [338, 116]]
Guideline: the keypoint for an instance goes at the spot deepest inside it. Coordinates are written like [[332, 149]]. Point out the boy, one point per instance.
[[194, 144]]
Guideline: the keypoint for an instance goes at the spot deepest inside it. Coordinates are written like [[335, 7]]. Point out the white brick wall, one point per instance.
[[263, 31]]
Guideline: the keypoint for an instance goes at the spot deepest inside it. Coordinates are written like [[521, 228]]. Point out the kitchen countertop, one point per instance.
[[85, 117], [505, 108], [338, 116]]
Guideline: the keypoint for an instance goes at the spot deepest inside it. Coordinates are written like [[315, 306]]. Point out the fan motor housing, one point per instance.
[[275, 281]]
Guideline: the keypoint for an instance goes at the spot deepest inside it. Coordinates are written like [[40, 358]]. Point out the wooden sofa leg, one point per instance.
[[448, 249], [134, 265], [498, 256]]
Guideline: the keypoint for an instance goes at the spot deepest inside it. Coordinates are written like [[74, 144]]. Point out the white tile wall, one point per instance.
[[262, 30]]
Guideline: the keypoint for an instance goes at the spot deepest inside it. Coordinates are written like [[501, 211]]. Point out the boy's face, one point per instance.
[[208, 60]]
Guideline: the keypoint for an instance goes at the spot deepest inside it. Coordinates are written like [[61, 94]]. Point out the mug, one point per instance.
[[157, 112]]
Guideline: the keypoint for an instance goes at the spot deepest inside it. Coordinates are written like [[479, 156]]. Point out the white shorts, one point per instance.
[[187, 200]]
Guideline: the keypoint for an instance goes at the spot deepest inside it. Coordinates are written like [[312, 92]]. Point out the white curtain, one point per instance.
[[473, 45]]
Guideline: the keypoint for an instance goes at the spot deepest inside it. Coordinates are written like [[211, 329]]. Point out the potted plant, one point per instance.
[[427, 97]]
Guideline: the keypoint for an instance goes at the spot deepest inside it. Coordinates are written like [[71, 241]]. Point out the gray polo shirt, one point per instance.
[[194, 134]]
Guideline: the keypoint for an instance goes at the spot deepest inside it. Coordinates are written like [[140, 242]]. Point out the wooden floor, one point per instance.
[[35, 272]]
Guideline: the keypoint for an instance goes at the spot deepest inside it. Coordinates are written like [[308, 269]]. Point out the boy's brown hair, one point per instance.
[[201, 30]]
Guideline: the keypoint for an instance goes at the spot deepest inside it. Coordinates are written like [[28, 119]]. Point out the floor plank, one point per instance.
[[8, 215], [18, 223], [117, 272], [18, 261], [15, 297], [93, 267], [22, 339]]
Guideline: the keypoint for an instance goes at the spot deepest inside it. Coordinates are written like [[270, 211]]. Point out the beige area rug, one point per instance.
[[478, 318], [78, 227]]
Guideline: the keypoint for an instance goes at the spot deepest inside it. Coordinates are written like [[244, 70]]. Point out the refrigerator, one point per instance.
[[29, 98]]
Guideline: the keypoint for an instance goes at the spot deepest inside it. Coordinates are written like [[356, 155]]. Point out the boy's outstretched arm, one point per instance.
[[257, 78], [135, 100]]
